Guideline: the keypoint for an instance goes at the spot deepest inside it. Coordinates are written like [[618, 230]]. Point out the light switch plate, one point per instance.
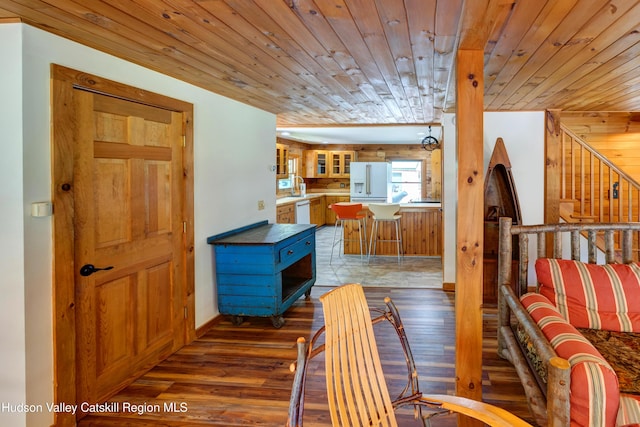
[[41, 209]]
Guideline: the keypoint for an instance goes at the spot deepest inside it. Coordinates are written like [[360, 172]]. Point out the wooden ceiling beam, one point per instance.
[[480, 19]]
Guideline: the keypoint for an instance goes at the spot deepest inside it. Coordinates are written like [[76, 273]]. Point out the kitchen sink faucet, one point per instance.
[[294, 183]]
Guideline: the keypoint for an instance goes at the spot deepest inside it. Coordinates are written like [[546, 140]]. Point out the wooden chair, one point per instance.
[[356, 388]]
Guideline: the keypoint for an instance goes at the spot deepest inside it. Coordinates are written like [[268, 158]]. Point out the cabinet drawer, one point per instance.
[[285, 214], [295, 251], [285, 209], [286, 219]]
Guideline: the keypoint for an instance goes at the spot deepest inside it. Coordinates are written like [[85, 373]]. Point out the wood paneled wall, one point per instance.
[[432, 179]]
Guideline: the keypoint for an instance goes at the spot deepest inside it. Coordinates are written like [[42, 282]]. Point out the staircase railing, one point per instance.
[[598, 190]]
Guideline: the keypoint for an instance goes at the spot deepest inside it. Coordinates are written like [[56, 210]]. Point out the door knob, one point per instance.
[[89, 269]]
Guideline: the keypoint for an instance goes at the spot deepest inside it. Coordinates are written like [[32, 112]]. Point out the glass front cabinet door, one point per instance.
[[341, 164], [282, 159], [321, 164]]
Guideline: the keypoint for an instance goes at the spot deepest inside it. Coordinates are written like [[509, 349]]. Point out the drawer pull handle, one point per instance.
[[289, 252]]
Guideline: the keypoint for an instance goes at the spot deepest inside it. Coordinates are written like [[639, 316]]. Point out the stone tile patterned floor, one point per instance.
[[411, 272]]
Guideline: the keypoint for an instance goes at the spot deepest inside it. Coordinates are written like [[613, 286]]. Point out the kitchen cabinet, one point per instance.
[[317, 208], [340, 163], [330, 216], [286, 214], [328, 164], [317, 164], [262, 269], [282, 160]]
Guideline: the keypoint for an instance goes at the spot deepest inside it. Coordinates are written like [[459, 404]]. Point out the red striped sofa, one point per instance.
[[574, 338]]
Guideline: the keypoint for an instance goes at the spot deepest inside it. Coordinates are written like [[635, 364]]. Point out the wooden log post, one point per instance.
[[479, 20], [470, 230], [553, 170], [559, 372], [553, 162], [504, 278]]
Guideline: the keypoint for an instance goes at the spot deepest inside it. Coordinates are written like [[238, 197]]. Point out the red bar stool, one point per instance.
[[385, 212], [348, 212]]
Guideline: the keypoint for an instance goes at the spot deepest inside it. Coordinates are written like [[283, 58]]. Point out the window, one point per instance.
[[292, 164], [406, 180]]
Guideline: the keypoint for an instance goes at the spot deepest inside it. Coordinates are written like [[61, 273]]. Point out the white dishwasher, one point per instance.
[[303, 212]]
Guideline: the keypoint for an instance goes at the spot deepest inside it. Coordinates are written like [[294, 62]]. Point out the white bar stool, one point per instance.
[[349, 212], [385, 212]]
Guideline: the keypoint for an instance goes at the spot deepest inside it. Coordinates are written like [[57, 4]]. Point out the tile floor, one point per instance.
[[411, 272]]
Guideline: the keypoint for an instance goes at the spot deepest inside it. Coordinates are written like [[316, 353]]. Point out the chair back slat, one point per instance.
[[384, 211], [347, 210], [356, 387]]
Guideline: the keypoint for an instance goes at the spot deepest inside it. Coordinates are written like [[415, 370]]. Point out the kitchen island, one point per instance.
[[421, 228], [421, 224]]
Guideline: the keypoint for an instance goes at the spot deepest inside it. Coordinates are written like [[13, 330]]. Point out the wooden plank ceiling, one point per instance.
[[336, 62]]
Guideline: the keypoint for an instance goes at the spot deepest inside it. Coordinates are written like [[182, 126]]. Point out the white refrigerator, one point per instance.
[[370, 182]]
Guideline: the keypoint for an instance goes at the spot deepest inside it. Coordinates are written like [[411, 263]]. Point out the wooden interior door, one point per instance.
[[128, 201]]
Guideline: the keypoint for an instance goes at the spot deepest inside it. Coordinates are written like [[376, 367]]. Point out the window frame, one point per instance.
[[423, 170]]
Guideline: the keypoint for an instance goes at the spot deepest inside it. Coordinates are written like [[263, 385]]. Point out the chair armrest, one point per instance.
[[488, 414]]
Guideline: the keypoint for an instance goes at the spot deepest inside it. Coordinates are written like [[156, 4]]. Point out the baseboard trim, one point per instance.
[[204, 328], [449, 287]]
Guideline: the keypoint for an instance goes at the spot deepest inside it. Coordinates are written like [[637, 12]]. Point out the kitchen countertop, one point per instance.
[[421, 205], [309, 196]]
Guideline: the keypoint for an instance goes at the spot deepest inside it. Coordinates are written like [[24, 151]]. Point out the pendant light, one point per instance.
[[429, 142]]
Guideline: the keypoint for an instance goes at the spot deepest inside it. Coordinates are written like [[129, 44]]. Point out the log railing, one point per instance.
[[597, 189]]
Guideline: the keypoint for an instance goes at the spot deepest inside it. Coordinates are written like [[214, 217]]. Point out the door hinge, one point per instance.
[[184, 140], [186, 312], [184, 227]]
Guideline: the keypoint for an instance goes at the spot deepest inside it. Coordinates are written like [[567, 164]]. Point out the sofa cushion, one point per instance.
[[622, 352], [594, 395], [593, 296], [629, 413]]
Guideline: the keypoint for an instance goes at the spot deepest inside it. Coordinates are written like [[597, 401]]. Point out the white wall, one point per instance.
[[523, 136], [12, 295], [449, 196], [234, 147]]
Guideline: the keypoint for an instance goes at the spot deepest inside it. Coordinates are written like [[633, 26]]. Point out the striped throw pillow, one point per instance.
[[594, 395], [629, 413], [593, 296]]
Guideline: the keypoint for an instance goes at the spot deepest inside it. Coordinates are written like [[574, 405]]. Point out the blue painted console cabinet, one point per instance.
[[263, 268]]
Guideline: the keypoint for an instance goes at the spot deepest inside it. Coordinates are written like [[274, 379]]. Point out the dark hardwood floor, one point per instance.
[[239, 375]]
